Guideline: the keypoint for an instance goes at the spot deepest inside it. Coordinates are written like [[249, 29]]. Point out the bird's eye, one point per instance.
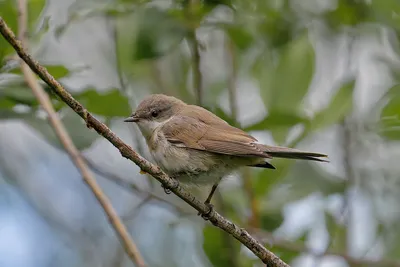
[[154, 113]]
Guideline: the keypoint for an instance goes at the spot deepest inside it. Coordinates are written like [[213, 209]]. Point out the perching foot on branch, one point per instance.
[[166, 190], [206, 216]]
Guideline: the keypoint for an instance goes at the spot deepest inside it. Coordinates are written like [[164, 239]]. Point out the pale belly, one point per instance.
[[192, 166]]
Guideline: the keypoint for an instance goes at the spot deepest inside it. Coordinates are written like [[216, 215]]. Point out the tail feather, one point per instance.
[[265, 165], [291, 153]]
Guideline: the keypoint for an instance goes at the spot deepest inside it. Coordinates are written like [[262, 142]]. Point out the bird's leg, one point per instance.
[[208, 202]]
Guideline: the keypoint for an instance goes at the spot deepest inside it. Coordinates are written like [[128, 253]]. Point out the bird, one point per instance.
[[195, 146]]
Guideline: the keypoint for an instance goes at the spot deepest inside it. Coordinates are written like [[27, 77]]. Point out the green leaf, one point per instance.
[[57, 71], [270, 221], [158, 33], [390, 115], [292, 76], [284, 86], [18, 95], [8, 12], [337, 232], [223, 115], [277, 119], [110, 104], [384, 11], [35, 8], [340, 105], [348, 13], [240, 36], [6, 104], [265, 180], [215, 247]]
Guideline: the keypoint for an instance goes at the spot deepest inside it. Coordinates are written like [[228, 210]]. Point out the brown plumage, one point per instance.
[[211, 133], [193, 145]]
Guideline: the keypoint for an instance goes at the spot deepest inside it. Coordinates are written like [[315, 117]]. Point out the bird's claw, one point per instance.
[[206, 216], [166, 190]]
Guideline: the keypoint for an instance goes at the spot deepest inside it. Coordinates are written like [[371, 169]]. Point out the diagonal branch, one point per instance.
[[270, 259], [69, 146]]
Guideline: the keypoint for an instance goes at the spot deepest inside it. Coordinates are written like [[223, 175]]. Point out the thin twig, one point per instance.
[[349, 172], [194, 47], [69, 146], [232, 77], [197, 75], [270, 259], [347, 210], [268, 237]]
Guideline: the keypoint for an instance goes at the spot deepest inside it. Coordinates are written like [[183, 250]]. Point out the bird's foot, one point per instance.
[[206, 216], [167, 190]]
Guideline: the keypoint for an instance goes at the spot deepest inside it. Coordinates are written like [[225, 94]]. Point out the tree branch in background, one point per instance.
[[194, 46], [112, 21], [69, 146], [197, 75], [231, 64], [350, 180], [131, 187], [126, 151]]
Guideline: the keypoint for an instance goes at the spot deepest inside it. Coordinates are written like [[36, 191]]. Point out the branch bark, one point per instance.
[[69, 146], [270, 259]]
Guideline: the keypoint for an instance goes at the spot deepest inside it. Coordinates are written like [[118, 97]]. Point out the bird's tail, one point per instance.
[[291, 153]]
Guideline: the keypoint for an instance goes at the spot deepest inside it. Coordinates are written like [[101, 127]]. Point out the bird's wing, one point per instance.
[[221, 138], [209, 118]]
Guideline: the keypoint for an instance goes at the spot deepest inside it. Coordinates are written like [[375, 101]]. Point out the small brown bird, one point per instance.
[[193, 145]]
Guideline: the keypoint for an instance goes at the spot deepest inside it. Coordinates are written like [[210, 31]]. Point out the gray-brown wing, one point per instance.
[[184, 131], [209, 118]]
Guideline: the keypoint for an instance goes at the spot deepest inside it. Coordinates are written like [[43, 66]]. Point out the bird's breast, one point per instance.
[[167, 156]]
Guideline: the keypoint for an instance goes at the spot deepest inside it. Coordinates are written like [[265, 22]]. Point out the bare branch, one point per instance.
[[69, 146], [270, 259]]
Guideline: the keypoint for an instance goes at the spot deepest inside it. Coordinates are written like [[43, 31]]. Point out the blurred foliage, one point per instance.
[[390, 115], [271, 45]]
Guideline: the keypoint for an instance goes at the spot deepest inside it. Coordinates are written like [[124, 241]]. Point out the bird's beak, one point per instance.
[[132, 118]]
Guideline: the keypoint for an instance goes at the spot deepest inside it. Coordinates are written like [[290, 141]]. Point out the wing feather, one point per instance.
[[189, 132]]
